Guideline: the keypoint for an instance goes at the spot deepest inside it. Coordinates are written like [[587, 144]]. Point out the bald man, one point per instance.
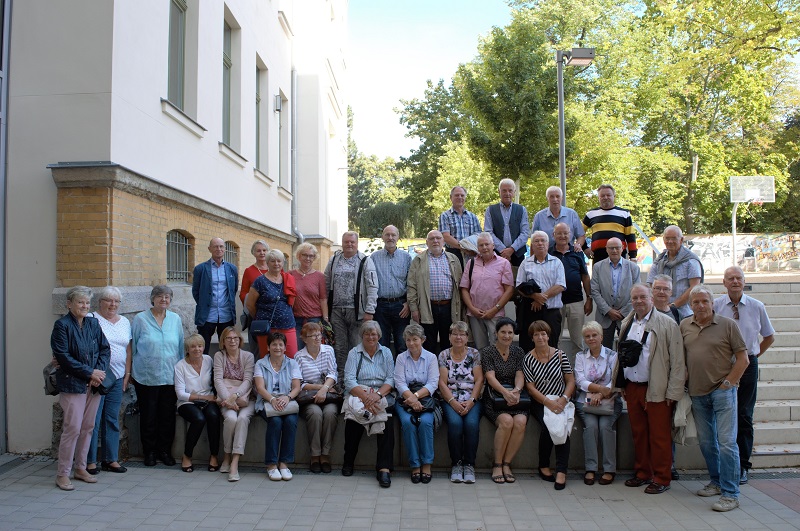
[[214, 287]]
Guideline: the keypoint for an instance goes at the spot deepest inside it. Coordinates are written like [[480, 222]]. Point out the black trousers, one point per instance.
[[437, 334], [156, 417], [526, 316], [208, 329], [199, 418], [352, 438], [546, 443]]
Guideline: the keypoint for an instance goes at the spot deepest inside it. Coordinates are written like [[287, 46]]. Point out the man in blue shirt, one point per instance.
[[457, 223], [391, 312], [214, 287], [547, 219]]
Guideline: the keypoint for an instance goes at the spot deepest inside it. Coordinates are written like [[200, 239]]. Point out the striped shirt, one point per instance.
[[375, 371], [547, 377], [610, 223], [459, 225], [392, 270], [316, 371], [441, 278], [547, 274]]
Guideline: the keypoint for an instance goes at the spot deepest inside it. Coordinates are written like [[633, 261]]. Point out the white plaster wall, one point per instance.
[[59, 109]]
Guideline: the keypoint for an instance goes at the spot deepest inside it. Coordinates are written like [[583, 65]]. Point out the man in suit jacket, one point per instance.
[[214, 287], [612, 279], [508, 224]]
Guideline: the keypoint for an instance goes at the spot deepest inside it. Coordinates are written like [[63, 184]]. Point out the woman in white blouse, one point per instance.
[[196, 401], [318, 366]]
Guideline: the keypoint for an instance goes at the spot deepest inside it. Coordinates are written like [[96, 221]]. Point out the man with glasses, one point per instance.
[[751, 317], [682, 265], [612, 279]]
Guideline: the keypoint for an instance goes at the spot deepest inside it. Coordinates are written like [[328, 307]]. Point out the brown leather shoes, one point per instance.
[[656, 488], [637, 482]]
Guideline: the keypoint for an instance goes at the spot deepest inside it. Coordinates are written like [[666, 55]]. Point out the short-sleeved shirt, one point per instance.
[[574, 271], [272, 304], [545, 221], [459, 225], [547, 377], [710, 352], [460, 378], [310, 290], [316, 371], [753, 320], [505, 371], [680, 281], [488, 282], [119, 337], [156, 349], [546, 274]]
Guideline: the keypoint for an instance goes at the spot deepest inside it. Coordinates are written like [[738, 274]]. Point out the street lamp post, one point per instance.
[[574, 57]]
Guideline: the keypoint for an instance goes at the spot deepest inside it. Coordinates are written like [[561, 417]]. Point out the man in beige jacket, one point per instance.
[[433, 294]]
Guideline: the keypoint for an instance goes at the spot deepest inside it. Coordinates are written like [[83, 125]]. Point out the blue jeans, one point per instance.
[[746, 403], [392, 325], [463, 434], [298, 325], [280, 435], [418, 439], [108, 421], [715, 417]]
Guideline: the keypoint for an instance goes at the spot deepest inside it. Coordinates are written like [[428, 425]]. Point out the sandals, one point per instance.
[[500, 478], [188, 469], [510, 476], [425, 478], [416, 477]]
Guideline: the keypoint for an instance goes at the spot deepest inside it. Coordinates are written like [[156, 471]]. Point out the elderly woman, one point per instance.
[[271, 298], [82, 352], [460, 385], [117, 330], [502, 367], [416, 376], [311, 304], [593, 375], [369, 376], [197, 404], [277, 380], [259, 250], [233, 380], [318, 366], [548, 373], [157, 346]]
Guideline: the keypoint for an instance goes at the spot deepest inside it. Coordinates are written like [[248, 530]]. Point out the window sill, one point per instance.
[[182, 118], [261, 176], [283, 192], [226, 150]]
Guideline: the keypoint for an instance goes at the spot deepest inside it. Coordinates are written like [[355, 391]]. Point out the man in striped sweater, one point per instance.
[[609, 221]]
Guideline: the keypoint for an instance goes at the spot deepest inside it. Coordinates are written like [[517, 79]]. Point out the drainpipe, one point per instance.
[[293, 148]]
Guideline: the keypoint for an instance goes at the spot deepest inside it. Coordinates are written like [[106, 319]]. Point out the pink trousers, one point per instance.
[[80, 410]]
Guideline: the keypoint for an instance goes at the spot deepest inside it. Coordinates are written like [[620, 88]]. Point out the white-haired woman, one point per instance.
[[271, 298], [311, 304], [82, 352], [117, 330]]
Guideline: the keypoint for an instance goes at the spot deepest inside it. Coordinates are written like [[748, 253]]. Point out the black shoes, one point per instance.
[[347, 470], [674, 474], [167, 459], [150, 459], [384, 479], [92, 471], [106, 467], [316, 467]]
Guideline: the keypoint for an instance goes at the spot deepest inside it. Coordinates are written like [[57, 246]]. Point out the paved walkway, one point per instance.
[[165, 498]]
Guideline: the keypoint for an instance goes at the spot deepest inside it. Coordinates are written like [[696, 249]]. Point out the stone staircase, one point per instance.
[[777, 413]]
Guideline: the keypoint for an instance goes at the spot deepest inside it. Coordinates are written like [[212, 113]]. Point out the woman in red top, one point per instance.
[[311, 305], [259, 250]]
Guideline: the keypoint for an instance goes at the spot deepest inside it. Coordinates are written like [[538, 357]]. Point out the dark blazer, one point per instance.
[[79, 350], [202, 291]]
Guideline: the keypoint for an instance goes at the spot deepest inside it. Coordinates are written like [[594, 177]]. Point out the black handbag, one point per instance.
[[306, 397], [500, 403], [108, 382], [260, 327], [49, 372], [428, 402]]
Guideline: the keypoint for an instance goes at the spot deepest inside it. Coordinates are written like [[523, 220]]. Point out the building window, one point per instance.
[[177, 257], [227, 66], [177, 52], [261, 118], [231, 253]]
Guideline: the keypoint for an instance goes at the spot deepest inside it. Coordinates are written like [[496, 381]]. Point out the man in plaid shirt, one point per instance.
[[458, 222]]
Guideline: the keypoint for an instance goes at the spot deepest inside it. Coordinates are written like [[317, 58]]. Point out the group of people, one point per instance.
[[649, 341]]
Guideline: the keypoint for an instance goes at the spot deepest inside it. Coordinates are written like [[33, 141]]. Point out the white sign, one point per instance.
[[746, 188]]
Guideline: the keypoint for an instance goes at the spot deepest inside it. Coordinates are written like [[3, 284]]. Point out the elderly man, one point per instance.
[[214, 286], [507, 222], [612, 280], [433, 295], [652, 363], [352, 284], [609, 221], [458, 222], [682, 265], [662, 294], [547, 219], [486, 286], [391, 312], [751, 316], [540, 281], [716, 358], [574, 307]]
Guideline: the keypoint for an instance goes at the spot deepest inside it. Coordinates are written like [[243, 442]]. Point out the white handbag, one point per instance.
[[559, 424]]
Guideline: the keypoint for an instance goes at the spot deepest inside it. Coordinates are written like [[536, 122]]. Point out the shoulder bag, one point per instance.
[[606, 406], [500, 403], [49, 373]]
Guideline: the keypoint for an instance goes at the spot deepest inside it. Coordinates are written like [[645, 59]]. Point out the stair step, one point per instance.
[[787, 339], [783, 310], [778, 390], [779, 355], [775, 455], [757, 288], [777, 410], [785, 324], [778, 371], [777, 432]]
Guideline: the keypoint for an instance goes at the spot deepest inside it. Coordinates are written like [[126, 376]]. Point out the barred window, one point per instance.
[[231, 253], [177, 257]]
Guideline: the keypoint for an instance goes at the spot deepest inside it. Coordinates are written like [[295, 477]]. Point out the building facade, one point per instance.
[[138, 131]]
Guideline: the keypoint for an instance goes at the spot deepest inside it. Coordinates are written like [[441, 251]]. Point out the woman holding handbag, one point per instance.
[[547, 374], [233, 380], [270, 299], [597, 405], [318, 366], [277, 380], [502, 368]]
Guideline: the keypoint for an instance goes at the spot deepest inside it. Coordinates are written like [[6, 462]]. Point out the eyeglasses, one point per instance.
[[315, 336], [110, 301], [312, 256], [458, 334], [736, 311], [231, 339]]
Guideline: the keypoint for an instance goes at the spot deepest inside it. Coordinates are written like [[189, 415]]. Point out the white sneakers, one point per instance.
[[725, 504], [286, 475], [709, 490]]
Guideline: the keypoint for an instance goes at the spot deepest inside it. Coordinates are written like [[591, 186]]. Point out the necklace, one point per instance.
[[460, 358], [541, 357], [306, 272]]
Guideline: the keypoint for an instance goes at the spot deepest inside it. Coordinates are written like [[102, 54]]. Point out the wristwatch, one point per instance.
[[474, 400], [379, 393]]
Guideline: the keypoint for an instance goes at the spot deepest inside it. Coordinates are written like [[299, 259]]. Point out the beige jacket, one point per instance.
[[667, 364], [419, 287]]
